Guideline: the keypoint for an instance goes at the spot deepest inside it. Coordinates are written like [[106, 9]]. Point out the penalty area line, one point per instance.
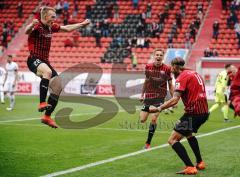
[[79, 168]]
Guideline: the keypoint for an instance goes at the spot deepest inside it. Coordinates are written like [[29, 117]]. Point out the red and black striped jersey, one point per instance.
[[235, 85], [39, 40], [156, 80], [193, 92]]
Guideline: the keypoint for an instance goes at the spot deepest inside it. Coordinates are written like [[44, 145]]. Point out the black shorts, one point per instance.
[[33, 64], [151, 101], [189, 124]]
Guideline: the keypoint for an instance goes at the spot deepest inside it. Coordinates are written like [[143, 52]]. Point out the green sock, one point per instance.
[[225, 111], [214, 107]]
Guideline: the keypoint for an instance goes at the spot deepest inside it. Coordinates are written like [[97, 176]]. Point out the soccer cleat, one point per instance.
[[201, 165], [48, 121], [171, 111], [147, 146], [227, 120], [44, 106], [9, 109], [188, 171], [166, 112]]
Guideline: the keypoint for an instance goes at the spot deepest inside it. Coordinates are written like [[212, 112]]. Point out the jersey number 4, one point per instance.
[[200, 81]]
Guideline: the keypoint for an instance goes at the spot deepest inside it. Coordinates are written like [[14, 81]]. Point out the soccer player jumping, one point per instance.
[[39, 42], [190, 88], [154, 90]]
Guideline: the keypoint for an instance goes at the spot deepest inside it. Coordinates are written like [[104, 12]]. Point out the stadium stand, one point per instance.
[[117, 35], [227, 43], [15, 14]]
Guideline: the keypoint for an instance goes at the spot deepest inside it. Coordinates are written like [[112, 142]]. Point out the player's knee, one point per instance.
[[170, 142], [47, 74], [142, 120], [154, 120]]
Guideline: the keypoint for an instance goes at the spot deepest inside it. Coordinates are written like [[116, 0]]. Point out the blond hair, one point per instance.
[[45, 10], [157, 49]]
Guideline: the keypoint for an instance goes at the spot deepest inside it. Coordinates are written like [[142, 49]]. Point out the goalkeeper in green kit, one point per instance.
[[221, 86]]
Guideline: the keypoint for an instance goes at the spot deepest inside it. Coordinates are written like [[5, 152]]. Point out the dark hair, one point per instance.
[[178, 61], [227, 65], [10, 56]]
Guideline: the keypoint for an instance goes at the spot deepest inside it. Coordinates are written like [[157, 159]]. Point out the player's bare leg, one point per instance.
[[143, 116], [45, 73], [174, 141], [152, 129], [2, 94], [12, 101]]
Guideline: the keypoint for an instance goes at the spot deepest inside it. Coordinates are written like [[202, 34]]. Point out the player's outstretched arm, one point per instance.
[[171, 87], [173, 101], [68, 28], [29, 27]]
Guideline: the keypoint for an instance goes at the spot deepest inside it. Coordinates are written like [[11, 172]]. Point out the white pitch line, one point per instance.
[[71, 115], [36, 118], [129, 155], [18, 120], [94, 128]]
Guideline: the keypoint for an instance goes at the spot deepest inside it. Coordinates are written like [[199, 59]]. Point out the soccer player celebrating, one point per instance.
[[221, 92], [190, 88], [39, 42], [10, 81], [2, 78], [154, 90]]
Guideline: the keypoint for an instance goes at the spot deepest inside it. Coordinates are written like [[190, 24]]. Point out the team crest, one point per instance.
[[177, 85]]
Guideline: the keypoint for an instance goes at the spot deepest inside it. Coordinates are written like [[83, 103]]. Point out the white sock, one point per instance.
[[2, 96], [12, 101]]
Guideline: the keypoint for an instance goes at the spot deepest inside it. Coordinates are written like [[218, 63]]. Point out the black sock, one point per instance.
[[43, 89], [52, 100], [193, 142], [182, 153], [152, 128]]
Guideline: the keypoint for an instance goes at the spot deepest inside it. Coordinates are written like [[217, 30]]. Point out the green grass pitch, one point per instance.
[[29, 148]]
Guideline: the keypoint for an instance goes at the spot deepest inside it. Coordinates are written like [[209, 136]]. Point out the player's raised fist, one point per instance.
[[35, 21], [141, 98], [86, 22], [153, 109]]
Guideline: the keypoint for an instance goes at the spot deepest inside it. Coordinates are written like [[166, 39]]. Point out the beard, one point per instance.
[[176, 74]]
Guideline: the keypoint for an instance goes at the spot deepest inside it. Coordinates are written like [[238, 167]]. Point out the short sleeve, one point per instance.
[[36, 27], [55, 27], [181, 84]]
